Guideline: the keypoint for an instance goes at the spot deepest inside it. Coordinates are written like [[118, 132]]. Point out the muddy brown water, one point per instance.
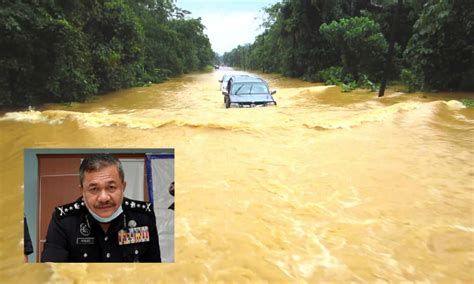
[[327, 186]]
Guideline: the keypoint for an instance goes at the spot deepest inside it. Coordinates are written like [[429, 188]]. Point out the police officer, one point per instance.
[[102, 225]]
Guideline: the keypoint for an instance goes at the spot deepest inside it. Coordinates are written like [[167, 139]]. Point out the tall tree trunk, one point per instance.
[[388, 63]]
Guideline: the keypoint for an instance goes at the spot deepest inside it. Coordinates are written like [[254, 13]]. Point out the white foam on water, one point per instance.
[[455, 105], [30, 116], [464, 229]]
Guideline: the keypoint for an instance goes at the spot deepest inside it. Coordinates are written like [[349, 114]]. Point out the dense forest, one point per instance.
[[347, 42], [63, 50]]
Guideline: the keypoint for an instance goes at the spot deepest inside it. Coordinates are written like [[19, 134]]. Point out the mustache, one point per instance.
[[104, 204]]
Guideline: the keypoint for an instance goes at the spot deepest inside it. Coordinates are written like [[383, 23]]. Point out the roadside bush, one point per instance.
[[331, 76], [410, 80], [468, 103], [365, 83], [345, 88], [156, 76], [335, 76]]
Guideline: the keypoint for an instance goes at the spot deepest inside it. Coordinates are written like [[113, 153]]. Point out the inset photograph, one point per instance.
[[99, 205]]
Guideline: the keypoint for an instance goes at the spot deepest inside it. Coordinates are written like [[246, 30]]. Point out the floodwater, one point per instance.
[[327, 186]]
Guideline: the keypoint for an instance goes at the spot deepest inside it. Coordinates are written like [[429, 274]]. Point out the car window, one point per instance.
[[259, 89], [249, 89], [241, 89]]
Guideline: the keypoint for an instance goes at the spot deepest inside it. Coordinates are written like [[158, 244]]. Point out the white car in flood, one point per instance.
[[224, 81]]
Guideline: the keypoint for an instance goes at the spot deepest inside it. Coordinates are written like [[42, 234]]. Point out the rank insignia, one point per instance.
[[61, 211], [134, 235]]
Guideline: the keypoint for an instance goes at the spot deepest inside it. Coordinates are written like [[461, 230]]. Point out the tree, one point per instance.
[[441, 50], [360, 43], [61, 51], [116, 39], [388, 63], [44, 56]]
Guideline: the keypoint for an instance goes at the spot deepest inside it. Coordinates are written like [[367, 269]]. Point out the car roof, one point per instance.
[[246, 79]]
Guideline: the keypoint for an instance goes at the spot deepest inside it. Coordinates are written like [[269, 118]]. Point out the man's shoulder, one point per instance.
[[137, 206], [70, 209]]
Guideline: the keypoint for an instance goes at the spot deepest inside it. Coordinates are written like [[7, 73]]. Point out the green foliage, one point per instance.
[[348, 87], [296, 42], [208, 68], [468, 103], [361, 45], [407, 17], [433, 42], [43, 58], [332, 76], [116, 39], [441, 49], [70, 77], [156, 76], [194, 45], [291, 43], [336, 76], [365, 83], [410, 80], [63, 51], [303, 38]]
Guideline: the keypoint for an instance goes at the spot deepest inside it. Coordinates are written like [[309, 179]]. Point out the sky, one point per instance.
[[228, 22]]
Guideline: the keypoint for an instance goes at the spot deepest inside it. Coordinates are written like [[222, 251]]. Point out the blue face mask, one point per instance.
[[107, 219]]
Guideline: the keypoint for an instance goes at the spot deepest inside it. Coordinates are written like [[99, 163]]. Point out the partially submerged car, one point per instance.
[[223, 81], [247, 91]]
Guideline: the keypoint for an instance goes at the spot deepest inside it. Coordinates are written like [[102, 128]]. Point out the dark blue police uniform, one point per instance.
[[75, 236]]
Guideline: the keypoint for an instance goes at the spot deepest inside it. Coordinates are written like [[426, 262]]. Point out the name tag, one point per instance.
[[134, 235], [85, 241]]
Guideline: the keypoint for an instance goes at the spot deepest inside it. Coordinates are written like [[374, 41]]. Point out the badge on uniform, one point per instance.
[[132, 223], [84, 230], [134, 235], [85, 241]]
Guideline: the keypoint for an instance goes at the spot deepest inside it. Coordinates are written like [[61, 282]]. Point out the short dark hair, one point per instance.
[[97, 162]]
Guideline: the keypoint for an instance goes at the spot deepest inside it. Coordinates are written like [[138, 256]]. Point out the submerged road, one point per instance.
[[327, 186]]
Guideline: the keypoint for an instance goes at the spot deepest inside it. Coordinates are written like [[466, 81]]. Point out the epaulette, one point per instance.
[[138, 206], [70, 208]]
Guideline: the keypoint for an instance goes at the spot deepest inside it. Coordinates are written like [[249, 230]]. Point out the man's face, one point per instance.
[[102, 191]]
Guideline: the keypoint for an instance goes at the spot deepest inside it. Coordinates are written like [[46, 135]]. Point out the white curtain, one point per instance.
[[162, 171], [134, 170]]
